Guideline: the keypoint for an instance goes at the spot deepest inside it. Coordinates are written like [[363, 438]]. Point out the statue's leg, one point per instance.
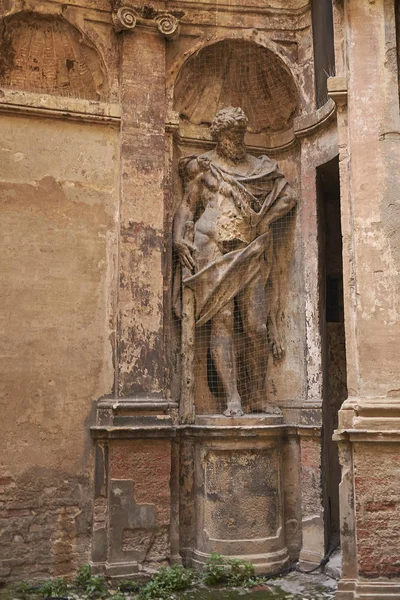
[[273, 301], [253, 310], [223, 354]]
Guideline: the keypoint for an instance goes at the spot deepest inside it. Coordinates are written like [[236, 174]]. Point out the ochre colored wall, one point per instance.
[[59, 203]]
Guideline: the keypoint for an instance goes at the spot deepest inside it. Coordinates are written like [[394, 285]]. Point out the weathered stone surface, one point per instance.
[[368, 127], [311, 499], [139, 501], [232, 495], [140, 338], [227, 269], [45, 518], [87, 204], [58, 204], [377, 509]]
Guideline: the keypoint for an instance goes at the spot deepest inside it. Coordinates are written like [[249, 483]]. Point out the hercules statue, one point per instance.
[[224, 242]]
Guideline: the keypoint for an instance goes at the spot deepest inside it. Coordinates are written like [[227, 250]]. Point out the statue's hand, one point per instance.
[[184, 250]]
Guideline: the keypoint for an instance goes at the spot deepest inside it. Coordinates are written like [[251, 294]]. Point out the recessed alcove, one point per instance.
[[237, 73], [47, 55]]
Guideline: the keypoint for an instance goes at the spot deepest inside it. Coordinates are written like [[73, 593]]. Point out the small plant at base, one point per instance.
[[22, 589], [240, 572], [96, 587], [215, 570], [218, 571], [83, 577], [54, 588], [166, 581], [92, 586]]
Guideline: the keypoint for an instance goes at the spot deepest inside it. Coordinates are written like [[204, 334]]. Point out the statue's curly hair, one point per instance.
[[225, 118]]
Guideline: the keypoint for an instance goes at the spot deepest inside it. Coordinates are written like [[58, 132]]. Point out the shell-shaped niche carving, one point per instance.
[[237, 73], [48, 55]]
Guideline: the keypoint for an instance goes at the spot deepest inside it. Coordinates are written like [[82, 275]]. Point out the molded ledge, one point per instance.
[[308, 124], [61, 107], [352, 589], [337, 89], [370, 419], [305, 125]]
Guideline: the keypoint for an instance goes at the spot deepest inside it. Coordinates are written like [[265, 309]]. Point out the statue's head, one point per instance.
[[229, 119]]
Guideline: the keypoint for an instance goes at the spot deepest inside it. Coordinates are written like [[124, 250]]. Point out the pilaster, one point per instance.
[[366, 90]]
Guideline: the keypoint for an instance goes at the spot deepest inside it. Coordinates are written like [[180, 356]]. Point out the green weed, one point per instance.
[[221, 571], [22, 589], [54, 588], [167, 581]]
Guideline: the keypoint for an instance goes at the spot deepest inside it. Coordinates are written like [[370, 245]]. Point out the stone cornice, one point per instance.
[[243, 7], [366, 435], [168, 429], [58, 107], [369, 419]]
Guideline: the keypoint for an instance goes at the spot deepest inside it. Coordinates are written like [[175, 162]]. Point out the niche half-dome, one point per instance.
[[46, 54], [237, 73]]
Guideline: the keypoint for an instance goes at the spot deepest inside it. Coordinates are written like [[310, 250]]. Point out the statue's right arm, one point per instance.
[[185, 213]]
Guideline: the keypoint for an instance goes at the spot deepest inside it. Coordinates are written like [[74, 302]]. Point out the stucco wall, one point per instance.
[[59, 206]]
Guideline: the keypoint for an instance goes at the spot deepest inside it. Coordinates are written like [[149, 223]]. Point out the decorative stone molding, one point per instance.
[[126, 18], [306, 125], [369, 419], [167, 25]]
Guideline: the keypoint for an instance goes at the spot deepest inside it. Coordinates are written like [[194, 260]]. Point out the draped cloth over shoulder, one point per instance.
[[220, 281]]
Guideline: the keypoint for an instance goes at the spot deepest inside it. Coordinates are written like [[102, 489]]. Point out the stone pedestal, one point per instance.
[[369, 444], [237, 489], [134, 509]]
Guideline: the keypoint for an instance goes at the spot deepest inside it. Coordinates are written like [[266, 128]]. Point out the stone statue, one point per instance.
[[224, 242]]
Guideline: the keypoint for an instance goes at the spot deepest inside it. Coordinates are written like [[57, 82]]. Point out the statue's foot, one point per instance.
[[272, 410], [234, 409]]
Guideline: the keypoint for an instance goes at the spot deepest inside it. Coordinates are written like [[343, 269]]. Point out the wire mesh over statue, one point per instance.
[[225, 289]]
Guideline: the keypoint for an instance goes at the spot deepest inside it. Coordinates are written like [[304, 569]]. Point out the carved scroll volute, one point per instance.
[[167, 25], [124, 19]]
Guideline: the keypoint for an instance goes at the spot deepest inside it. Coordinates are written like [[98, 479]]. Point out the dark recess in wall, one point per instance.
[[333, 337], [324, 53]]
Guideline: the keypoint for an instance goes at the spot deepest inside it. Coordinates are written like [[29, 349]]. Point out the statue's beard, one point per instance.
[[234, 150]]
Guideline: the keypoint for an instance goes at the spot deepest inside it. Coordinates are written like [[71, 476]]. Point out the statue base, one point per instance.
[[232, 495]]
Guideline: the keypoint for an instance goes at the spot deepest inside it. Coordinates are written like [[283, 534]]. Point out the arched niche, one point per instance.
[[46, 54], [251, 75], [242, 73]]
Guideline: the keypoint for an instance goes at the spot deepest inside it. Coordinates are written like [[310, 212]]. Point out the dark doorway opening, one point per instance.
[[333, 337]]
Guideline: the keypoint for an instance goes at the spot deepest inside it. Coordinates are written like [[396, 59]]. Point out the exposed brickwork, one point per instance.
[[148, 464], [45, 520], [377, 492]]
